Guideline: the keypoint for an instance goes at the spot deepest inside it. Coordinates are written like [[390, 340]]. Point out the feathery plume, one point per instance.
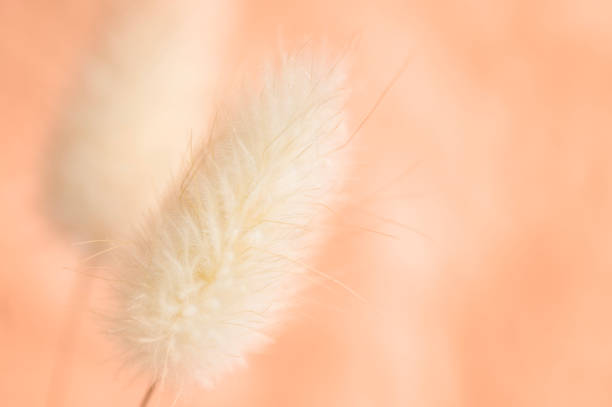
[[141, 96], [214, 269]]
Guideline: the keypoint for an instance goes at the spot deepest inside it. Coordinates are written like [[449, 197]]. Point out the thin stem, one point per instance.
[[147, 395]]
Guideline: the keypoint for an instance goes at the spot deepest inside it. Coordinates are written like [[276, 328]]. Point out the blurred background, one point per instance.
[[477, 223]]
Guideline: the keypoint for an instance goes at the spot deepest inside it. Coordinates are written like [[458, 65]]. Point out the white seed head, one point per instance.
[[213, 271], [141, 96]]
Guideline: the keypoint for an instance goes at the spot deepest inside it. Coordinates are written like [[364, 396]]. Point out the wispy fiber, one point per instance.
[[213, 270]]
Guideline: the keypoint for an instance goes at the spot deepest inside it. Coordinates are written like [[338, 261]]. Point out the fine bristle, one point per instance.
[[216, 266]]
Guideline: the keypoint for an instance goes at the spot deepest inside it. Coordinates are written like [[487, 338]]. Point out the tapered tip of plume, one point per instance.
[[214, 270]]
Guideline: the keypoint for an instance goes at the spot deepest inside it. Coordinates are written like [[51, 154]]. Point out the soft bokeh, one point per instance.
[[477, 230]]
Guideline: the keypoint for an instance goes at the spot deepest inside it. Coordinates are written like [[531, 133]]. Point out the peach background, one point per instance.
[[494, 143]]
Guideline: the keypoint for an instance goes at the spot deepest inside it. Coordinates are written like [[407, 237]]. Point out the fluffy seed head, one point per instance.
[[141, 95], [213, 271]]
